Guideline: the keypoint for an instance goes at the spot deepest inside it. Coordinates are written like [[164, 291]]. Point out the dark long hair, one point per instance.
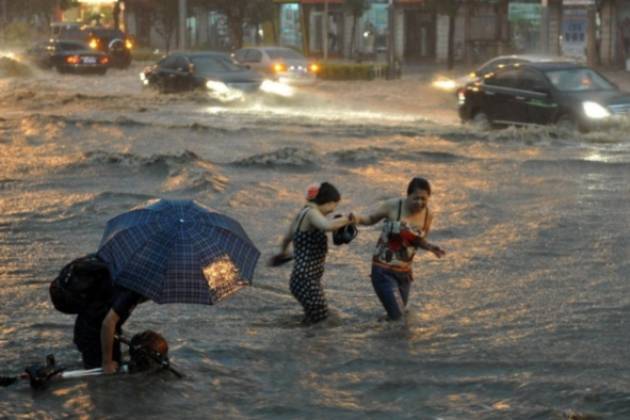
[[327, 193], [418, 183]]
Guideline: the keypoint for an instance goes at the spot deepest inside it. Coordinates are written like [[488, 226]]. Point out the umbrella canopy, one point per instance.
[[176, 251]]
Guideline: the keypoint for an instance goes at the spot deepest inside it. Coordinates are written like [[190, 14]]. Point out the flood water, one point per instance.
[[526, 317]]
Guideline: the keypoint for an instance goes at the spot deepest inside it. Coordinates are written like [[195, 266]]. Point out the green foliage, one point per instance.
[[146, 54], [68, 4], [19, 32], [340, 71]]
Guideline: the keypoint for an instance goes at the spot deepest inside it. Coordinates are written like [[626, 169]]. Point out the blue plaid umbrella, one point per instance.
[[176, 251]]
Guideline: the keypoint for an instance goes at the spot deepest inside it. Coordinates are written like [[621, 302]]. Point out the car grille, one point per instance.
[[621, 109]]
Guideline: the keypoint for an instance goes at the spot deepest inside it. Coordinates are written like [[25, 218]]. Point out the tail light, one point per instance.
[[73, 59], [103, 60], [279, 67]]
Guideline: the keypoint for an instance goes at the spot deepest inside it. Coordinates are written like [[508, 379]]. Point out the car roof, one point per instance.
[[557, 65], [66, 24], [192, 54], [533, 58]]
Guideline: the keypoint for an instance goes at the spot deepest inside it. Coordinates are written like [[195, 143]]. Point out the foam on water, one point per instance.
[[523, 319]]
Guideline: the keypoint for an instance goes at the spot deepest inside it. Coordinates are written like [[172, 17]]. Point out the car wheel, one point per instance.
[[481, 121], [566, 123]]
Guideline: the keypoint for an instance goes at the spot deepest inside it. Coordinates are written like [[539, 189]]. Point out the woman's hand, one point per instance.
[[437, 251]]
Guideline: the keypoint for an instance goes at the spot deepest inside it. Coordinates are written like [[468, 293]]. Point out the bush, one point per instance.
[[338, 71], [19, 33], [146, 54]]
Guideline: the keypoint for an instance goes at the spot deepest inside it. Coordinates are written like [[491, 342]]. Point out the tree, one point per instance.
[[240, 13], [162, 15], [356, 8]]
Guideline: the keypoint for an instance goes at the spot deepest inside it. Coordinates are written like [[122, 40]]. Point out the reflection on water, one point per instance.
[[523, 318]]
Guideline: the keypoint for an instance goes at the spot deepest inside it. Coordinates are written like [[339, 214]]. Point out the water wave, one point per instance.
[[286, 157]]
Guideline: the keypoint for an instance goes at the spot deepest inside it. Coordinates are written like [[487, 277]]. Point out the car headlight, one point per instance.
[[218, 87], [461, 97], [276, 88], [594, 110]]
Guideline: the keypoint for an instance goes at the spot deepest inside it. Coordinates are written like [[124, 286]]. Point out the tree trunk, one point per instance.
[[591, 41], [451, 41], [468, 34], [116, 14], [236, 29], [353, 36]]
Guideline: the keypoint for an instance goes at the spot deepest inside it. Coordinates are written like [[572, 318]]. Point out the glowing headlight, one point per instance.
[[275, 88], [144, 79], [445, 84], [128, 44], [94, 43], [594, 110], [461, 98], [218, 87], [279, 67]]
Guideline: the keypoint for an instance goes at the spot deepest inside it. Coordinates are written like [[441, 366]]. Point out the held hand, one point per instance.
[[437, 251], [110, 367], [352, 219]]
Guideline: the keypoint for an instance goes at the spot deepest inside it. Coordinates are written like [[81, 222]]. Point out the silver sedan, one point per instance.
[[283, 64]]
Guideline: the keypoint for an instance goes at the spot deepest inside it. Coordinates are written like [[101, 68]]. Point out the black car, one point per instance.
[[211, 71], [68, 56], [111, 41], [569, 95]]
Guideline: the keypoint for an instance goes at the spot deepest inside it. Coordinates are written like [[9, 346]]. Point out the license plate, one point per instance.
[[88, 60]]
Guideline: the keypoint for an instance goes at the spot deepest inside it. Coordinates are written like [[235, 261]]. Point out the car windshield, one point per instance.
[[578, 80], [214, 64], [72, 46], [283, 53]]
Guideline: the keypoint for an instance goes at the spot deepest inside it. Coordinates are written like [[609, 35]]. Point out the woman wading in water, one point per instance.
[[310, 245], [407, 224]]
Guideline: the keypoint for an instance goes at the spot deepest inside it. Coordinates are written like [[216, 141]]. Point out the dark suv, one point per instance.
[[569, 95], [111, 41]]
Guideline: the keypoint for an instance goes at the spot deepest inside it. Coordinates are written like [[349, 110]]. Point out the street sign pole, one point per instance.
[[183, 13], [391, 48], [544, 26], [325, 30]]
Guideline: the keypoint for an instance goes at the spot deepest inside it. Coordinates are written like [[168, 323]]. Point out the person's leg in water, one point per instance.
[[311, 296], [392, 294], [87, 337], [404, 286], [315, 307]]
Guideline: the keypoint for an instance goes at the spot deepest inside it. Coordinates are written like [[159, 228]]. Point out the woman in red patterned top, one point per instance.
[[407, 222]]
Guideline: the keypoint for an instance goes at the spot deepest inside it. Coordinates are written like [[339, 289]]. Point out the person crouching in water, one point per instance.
[[407, 224], [310, 245], [95, 331]]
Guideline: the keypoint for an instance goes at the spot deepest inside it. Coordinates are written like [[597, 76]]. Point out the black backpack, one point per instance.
[[82, 284]]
